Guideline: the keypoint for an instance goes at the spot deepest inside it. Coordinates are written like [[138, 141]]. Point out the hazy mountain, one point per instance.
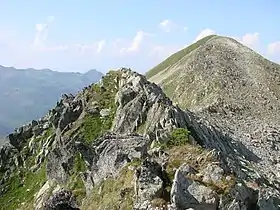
[[27, 94]]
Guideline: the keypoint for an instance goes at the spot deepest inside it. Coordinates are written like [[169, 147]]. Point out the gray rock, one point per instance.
[[114, 151], [105, 112], [212, 173], [60, 160], [43, 195], [267, 202], [62, 199], [148, 184], [186, 193]]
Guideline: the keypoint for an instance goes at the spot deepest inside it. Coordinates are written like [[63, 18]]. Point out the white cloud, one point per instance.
[[50, 19], [250, 39], [273, 48], [41, 36], [163, 51], [185, 28], [84, 47], [117, 42], [42, 32], [100, 46], [92, 47], [57, 48], [204, 33], [136, 42], [166, 25]]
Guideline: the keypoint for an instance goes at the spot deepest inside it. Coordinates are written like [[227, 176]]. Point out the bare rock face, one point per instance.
[[112, 152], [186, 193], [149, 184], [143, 107]]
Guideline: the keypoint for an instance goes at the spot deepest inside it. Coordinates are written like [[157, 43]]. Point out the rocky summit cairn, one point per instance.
[[122, 144]]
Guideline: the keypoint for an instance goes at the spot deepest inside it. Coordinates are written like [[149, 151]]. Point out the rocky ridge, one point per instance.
[[229, 85], [122, 144]]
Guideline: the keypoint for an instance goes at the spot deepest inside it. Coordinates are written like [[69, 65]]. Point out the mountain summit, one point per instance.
[[233, 87], [219, 69], [122, 144]]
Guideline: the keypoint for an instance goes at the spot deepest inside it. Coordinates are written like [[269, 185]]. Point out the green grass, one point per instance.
[[19, 191], [48, 132], [141, 128], [171, 60], [93, 126], [113, 193], [179, 137], [75, 183]]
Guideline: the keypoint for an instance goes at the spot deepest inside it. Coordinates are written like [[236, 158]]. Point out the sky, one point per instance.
[[68, 35]]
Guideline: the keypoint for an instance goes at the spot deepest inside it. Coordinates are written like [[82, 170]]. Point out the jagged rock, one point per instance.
[[18, 138], [61, 200], [37, 130], [241, 197], [141, 103], [148, 184], [43, 194], [114, 151], [70, 114], [92, 110], [186, 193], [59, 163]]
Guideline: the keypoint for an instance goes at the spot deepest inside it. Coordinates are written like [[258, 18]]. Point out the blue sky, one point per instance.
[[80, 35]]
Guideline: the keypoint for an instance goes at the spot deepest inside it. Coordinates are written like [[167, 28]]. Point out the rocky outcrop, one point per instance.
[[111, 153], [149, 184], [123, 125], [186, 193]]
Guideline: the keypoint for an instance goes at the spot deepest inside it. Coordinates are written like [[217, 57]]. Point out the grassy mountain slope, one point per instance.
[[173, 59], [222, 70], [27, 94]]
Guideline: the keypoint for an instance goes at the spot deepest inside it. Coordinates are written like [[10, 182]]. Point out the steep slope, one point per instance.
[[223, 69], [122, 144], [235, 88], [26, 94], [173, 59]]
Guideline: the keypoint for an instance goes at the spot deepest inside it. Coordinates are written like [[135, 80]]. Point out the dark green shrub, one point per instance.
[[179, 136]]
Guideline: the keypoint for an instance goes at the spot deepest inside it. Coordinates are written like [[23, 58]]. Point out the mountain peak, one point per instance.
[[231, 86]]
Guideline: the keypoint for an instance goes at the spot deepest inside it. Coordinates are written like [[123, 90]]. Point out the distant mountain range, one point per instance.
[[27, 94]]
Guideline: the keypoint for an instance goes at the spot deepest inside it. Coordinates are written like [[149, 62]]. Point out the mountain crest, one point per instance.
[[122, 144]]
